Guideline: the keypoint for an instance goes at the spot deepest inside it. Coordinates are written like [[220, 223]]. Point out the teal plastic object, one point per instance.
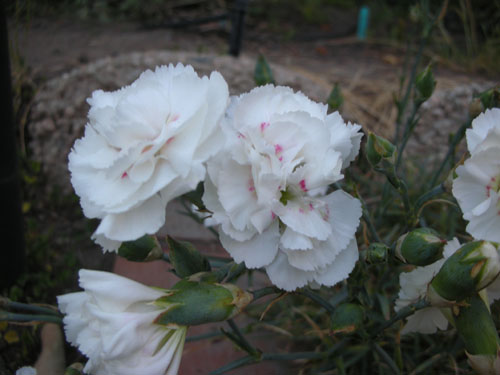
[[363, 19]]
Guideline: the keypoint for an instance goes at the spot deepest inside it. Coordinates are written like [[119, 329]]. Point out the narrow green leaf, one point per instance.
[[262, 74]]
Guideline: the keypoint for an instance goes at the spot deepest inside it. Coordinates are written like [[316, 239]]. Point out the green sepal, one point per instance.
[[470, 269], [144, 249], [420, 247], [376, 253], [347, 318], [185, 259], [193, 303], [263, 74], [74, 369], [195, 196], [378, 148], [476, 327], [425, 84], [335, 99]]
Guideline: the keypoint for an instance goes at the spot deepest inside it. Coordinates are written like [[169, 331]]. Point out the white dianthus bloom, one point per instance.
[[26, 370], [266, 188], [111, 322], [144, 145], [477, 188], [481, 126]]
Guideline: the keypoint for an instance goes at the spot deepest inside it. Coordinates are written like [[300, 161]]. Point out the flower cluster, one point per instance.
[[477, 186]]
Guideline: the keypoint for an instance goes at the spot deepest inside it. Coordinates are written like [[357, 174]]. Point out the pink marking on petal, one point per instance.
[[302, 184], [280, 158], [263, 126], [169, 140], [125, 174], [278, 149], [273, 215], [251, 186], [488, 190], [240, 136], [146, 149], [311, 207], [301, 210], [175, 118]]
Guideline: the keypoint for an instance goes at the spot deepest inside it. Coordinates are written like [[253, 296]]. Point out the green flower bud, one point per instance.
[[74, 369], [144, 249], [191, 303], [425, 84], [470, 269], [335, 99], [347, 318], [378, 149], [420, 247], [263, 74], [478, 332], [186, 259], [376, 253]]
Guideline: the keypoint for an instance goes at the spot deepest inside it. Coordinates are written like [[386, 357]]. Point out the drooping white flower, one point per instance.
[[111, 322], [477, 187], [144, 145], [414, 287], [480, 128], [266, 188]]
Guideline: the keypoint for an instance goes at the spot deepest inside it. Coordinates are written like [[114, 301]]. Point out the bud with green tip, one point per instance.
[[420, 247], [347, 318], [470, 269], [335, 99], [425, 85], [185, 259], [478, 332], [263, 74], [379, 149], [191, 303], [144, 249], [376, 253]]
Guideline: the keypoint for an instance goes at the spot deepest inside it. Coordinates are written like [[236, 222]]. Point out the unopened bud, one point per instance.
[[420, 247], [262, 73], [191, 303], [378, 149], [335, 99], [347, 318], [144, 249], [425, 84], [470, 269], [478, 332], [377, 253], [185, 259]]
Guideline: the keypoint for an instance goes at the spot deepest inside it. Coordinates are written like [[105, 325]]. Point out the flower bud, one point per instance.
[[425, 84], [347, 318], [144, 249], [378, 148], [335, 99], [470, 269], [191, 303], [376, 253], [74, 369], [478, 332], [186, 259], [420, 247], [484, 100], [263, 74]]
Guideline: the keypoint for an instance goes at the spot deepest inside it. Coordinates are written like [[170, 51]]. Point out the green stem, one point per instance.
[[242, 340], [259, 293], [409, 127], [14, 317], [235, 364], [401, 314], [317, 298], [204, 336], [11, 305], [427, 363], [386, 358], [451, 150], [436, 190]]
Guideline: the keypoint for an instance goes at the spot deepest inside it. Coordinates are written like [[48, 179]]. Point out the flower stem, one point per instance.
[[14, 317], [386, 358], [11, 305], [242, 340], [317, 298], [401, 314], [259, 293]]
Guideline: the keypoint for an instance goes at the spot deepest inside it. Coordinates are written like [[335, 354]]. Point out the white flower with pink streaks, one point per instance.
[[144, 145], [267, 188], [477, 186]]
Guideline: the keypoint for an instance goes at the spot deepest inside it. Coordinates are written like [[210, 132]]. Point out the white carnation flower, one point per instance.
[[144, 145], [481, 126], [477, 188], [111, 322], [266, 188]]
